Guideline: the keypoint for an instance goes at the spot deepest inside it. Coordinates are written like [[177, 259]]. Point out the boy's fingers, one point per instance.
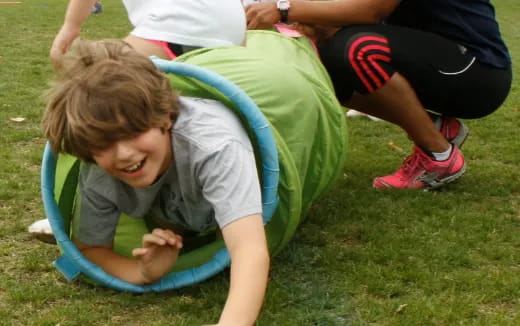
[[178, 242], [162, 237], [150, 238], [163, 233], [167, 233], [138, 252], [169, 236], [175, 241]]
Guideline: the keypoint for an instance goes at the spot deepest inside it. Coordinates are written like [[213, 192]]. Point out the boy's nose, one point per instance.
[[124, 152]]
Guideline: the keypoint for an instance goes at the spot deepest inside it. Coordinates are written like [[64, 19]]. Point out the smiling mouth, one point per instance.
[[134, 168]]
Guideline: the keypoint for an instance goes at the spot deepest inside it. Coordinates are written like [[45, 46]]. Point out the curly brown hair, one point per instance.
[[104, 92]]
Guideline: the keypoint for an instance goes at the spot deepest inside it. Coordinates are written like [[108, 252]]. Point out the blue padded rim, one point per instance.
[[270, 179]]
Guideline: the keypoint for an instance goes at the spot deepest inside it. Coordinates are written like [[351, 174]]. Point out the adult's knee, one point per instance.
[[368, 56], [358, 58]]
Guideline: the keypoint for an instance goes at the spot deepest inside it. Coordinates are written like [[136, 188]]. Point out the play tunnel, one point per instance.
[[285, 99]]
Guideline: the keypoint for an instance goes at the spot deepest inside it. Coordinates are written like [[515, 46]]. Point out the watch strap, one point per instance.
[[284, 15]]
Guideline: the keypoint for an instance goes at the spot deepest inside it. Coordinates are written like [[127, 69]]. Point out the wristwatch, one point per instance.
[[283, 6]]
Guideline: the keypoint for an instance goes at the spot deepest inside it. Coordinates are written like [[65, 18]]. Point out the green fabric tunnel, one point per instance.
[[286, 80]]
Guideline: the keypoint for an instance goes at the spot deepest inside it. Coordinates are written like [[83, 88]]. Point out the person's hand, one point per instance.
[[62, 42], [158, 254], [262, 15]]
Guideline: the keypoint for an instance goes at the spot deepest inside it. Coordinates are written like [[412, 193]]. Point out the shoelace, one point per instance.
[[412, 162]]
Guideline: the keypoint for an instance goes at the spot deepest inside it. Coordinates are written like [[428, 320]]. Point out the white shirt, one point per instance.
[[204, 23]]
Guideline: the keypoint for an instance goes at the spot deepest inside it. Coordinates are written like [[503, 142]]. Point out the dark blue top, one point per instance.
[[468, 22]]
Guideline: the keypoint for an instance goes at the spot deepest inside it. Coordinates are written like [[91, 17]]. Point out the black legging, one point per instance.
[[447, 78]]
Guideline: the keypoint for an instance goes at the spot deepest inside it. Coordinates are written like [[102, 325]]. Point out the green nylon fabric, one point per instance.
[[284, 77]]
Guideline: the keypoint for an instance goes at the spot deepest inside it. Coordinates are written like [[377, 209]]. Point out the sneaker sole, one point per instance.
[[437, 184]]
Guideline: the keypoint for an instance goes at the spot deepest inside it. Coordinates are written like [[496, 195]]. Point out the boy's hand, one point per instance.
[[158, 254]]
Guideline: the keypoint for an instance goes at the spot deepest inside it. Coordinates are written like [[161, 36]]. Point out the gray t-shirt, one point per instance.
[[213, 179]]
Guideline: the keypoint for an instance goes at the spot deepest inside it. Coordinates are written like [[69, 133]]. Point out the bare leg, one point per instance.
[[397, 102]]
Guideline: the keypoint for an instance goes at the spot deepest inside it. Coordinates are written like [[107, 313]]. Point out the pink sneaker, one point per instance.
[[421, 171], [452, 129]]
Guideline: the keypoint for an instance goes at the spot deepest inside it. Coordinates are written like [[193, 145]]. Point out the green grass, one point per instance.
[[452, 256]]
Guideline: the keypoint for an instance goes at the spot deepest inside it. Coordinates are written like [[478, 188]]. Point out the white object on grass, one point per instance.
[[42, 230], [353, 113]]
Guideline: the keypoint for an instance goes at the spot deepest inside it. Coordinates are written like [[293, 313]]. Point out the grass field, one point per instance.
[[362, 257]]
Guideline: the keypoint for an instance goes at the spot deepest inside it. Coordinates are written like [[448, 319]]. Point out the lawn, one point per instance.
[[362, 257]]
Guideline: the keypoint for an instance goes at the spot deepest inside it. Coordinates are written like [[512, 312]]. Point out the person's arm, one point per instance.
[[77, 12], [157, 256], [247, 245], [330, 13]]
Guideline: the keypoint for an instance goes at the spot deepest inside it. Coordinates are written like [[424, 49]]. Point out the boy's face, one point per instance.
[[138, 161]]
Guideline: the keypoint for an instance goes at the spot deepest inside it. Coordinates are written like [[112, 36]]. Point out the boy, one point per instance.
[[162, 28], [186, 161]]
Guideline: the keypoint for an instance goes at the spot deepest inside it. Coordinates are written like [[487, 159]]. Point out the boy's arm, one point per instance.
[[156, 257], [77, 12], [111, 262], [246, 241]]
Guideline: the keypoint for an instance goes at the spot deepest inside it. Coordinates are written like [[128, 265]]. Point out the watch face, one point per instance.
[[283, 4]]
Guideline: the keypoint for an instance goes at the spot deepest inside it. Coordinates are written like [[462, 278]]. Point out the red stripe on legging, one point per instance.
[[373, 59], [361, 57], [353, 62]]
